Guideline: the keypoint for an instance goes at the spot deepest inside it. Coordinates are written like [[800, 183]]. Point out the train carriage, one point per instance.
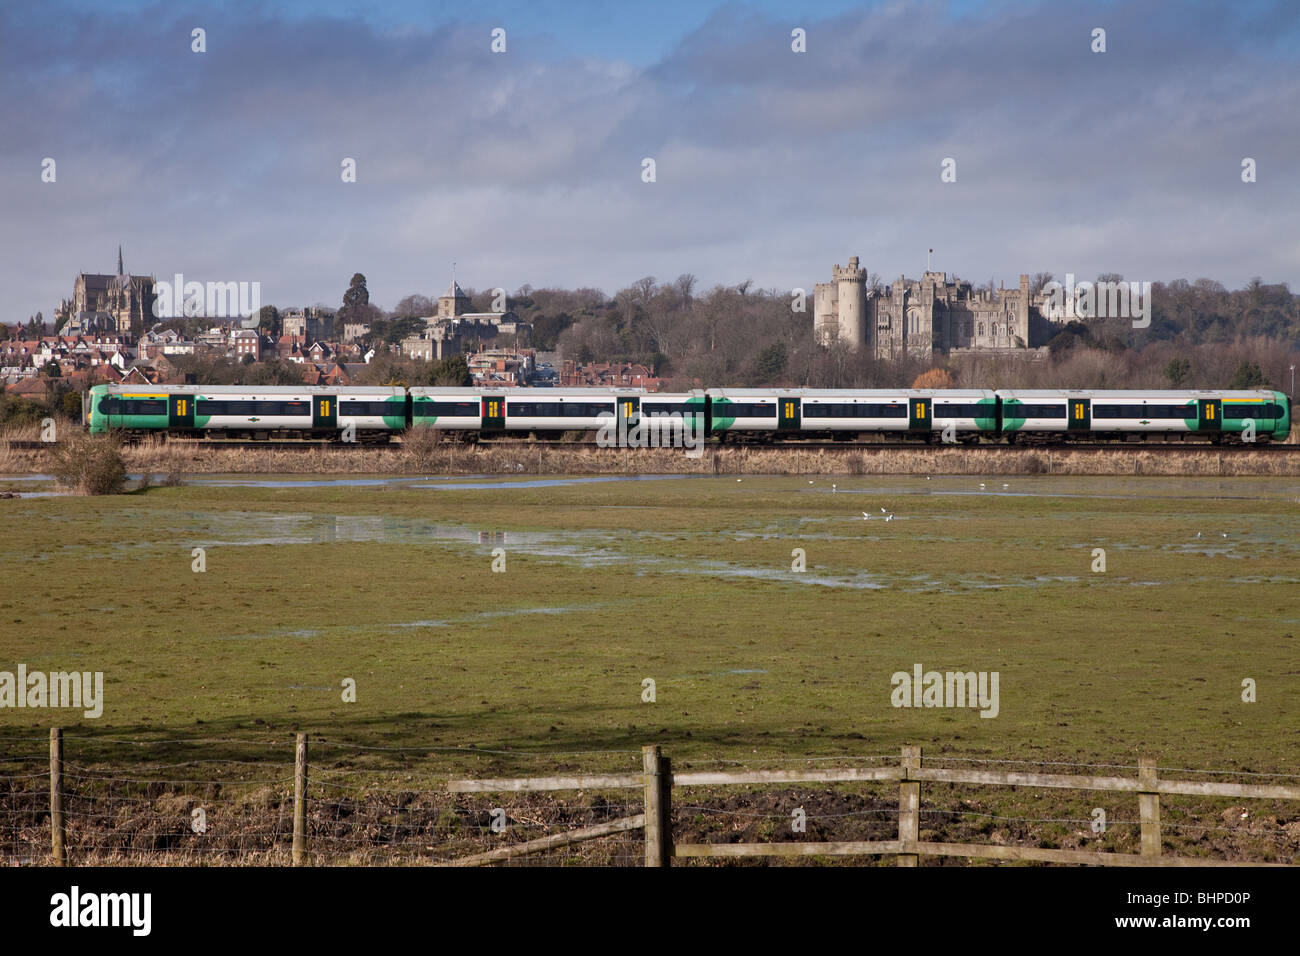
[[755, 411], [845, 412], [670, 418], [1143, 414], [245, 409], [557, 410], [452, 409]]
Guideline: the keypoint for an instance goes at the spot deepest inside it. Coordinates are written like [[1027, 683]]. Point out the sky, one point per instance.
[[528, 166]]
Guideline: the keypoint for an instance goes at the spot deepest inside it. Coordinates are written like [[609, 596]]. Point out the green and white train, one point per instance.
[[726, 414]]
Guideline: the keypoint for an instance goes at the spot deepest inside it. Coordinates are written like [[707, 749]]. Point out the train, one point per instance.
[[378, 413]]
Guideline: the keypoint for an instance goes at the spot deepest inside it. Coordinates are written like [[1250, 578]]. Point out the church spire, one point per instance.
[[119, 258]]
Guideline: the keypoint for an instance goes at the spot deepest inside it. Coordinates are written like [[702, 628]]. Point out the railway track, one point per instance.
[[308, 445]]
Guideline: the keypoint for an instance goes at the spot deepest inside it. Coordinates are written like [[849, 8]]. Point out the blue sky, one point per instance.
[[525, 167]]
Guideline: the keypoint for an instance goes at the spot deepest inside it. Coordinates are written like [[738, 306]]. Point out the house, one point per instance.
[[607, 375], [246, 342]]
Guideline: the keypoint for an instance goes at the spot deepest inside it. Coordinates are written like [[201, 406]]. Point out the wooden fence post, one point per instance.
[[58, 833], [300, 802], [1149, 806], [909, 808], [658, 807]]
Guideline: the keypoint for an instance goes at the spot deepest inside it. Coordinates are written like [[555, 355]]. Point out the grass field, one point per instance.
[[687, 582]]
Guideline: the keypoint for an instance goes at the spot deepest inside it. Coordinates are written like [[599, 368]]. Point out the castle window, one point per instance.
[[981, 328]]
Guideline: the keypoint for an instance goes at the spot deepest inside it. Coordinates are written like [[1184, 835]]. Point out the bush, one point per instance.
[[89, 464], [17, 411], [420, 448]]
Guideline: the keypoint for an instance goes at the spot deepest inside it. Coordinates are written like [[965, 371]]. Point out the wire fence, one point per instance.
[[230, 802]]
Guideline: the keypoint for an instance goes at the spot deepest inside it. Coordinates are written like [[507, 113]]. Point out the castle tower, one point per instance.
[[851, 295]]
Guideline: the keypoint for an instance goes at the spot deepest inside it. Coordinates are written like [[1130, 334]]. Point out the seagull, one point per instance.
[[865, 516], [981, 485], [1198, 534], [927, 477], [1006, 486], [889, 517], [740, 479], [832, 487], [1225, 534], [882, 511], [810, 482]]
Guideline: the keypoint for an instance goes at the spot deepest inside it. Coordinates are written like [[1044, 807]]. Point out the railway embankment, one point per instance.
[[549, 458]]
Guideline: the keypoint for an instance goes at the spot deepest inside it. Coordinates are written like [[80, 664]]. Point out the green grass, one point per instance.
[[1147, 658]]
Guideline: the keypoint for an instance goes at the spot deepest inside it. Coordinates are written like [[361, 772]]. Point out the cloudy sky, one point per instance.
[[526, 166]]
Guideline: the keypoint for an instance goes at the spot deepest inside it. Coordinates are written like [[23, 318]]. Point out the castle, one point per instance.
[[918, 318]]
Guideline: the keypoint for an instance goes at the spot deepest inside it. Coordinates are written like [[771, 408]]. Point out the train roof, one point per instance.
[[516, 392], [867, 393], [878, 393], [204, 390], [1136, 394]]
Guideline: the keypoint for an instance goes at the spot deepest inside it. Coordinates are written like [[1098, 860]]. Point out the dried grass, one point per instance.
[[425, 454]]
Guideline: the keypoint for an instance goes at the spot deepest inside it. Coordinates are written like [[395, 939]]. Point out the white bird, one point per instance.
[[865, 516], [889, 517], [981, 485], [1198, 534], [927, 477], [1225, 534], [833, 487], [882, 511], [1006, 486], [810, 482], [740, 479]]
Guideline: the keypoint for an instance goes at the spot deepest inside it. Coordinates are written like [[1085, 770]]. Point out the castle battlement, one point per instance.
[[850, 273]]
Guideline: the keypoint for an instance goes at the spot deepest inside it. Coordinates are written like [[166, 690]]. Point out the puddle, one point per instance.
[[437, 482]]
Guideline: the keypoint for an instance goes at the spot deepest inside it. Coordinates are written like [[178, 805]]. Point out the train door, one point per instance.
[[629, 412], [1080, 413], [788, 415], [494, 413], [180, 411], [324, 412], [1209, 414], [919, 414]]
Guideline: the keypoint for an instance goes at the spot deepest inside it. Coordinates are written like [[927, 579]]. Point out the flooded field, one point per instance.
[[1123, 614]]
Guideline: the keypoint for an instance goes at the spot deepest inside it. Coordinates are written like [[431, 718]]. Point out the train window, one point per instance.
[[247, 409], [559, 409], [744, 410], [671, 408], [456, 409], [961, 411], [374, 409], [1148, 412], [133, 406], [853, 410], [1034, 411], [1260, 412]]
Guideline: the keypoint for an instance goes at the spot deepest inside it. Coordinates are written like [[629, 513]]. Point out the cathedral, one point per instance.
[[119, 304], [918, 318]]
